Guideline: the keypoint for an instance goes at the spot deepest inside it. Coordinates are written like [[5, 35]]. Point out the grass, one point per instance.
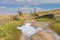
[[9, 31], [23, 17], [45, 20], [56, 27], [42, 19]]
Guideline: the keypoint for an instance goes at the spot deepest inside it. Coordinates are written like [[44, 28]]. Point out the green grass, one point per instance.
[[56, 27], [45, 20], [9, 31], [42, 19]]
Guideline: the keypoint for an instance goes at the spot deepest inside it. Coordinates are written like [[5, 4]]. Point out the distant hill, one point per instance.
[[55, 12]]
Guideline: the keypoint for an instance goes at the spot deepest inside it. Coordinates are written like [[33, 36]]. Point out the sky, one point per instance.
[[26, 6]]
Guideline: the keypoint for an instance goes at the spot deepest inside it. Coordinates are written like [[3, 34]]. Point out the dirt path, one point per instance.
[[36, 23], [43, 25]]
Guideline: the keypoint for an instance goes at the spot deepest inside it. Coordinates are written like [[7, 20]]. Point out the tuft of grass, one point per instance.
[[56, 27]]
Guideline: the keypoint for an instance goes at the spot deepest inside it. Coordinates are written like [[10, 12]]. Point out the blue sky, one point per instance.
[[12, 6]]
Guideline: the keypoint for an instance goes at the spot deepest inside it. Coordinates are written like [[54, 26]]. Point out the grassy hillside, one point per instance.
[[9, 31], [56, 27], [42, 19], [9, 18], [6, 19], [55, 12]]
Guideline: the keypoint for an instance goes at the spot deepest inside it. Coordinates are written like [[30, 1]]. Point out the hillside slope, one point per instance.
[[55, 12]]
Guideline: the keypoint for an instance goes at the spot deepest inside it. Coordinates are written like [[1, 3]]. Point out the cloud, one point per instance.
[[5, 10], [25, 9], [39, 1], [21, 1], [29, 2], [3, 7], [28, 9], [8, 6]]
